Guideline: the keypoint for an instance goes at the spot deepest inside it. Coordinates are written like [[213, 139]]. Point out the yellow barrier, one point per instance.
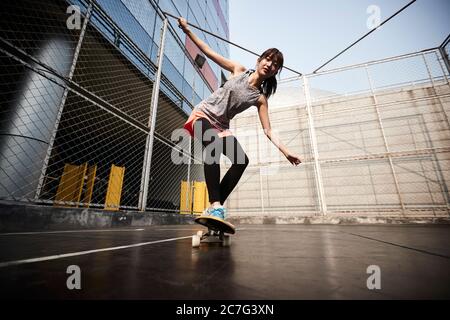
[[206, 204], [199, 197], [193, 197], [89, 185], [71, 184], [185, 198], [114, 192]]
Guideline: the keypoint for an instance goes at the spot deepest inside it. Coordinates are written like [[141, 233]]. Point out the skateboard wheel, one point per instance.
[[195, 241], [226, 242], [200, 233]]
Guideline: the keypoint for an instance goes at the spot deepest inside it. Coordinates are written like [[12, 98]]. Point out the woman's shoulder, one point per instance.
[[247, 72], [262, 99], [235, 76], [241, 74], [241, 71]]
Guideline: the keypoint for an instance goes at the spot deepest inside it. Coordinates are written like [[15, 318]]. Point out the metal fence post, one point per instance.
[[152, 122], [386, 145], [258, 154], [434, 89], [446, 70], [63, 101], [188, 190], [261, 190], [445, 57], [315, 151], [442, 182]]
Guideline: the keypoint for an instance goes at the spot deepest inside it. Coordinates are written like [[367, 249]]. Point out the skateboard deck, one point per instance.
[[216, 224], [216, 231]]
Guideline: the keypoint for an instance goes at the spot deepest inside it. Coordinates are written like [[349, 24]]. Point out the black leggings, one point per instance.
[[213, 147]]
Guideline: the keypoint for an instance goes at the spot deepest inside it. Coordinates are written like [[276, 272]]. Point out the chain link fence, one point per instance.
[[375, 139], [90, 109], [77, 81]]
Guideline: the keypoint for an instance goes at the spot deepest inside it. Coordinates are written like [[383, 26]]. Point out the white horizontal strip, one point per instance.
[[73, 254]]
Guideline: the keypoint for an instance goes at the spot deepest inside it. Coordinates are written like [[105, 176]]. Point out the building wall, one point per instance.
[[138, 19]]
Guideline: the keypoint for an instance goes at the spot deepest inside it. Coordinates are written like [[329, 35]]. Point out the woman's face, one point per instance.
[[268, 67]]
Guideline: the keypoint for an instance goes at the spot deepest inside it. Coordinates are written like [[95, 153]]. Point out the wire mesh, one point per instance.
[[76, 106], [360, 186], [184, 88], [377, 145], [30, 97], [381, 134], [422, 181], [266, 187], [77, 113]]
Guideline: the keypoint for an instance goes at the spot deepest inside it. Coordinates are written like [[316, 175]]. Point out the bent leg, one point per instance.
[[233, 150], [211, 163]]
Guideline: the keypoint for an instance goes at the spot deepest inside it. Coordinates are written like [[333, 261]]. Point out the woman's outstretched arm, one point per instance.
[[265, 122], [227, 64]]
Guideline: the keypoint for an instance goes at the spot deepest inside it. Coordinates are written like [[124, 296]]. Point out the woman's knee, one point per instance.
[[246, 160], [233, 150], [242, 162]]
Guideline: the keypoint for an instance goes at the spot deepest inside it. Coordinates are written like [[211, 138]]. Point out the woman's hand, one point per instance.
[[182, 23], [295, 160]]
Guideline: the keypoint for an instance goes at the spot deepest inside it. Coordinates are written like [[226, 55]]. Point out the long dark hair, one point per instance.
[[269, 86]]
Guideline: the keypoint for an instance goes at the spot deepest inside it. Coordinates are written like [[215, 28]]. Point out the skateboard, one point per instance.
[[217, 230]]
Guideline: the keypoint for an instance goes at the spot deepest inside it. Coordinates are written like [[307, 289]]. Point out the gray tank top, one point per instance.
[[235, 96]]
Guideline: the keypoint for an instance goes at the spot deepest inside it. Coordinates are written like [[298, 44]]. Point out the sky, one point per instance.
[[311, 32]]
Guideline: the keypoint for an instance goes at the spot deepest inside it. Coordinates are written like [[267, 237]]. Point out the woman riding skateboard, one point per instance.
[[209, 120]]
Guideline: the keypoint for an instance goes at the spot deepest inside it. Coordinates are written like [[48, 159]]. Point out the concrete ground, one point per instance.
[[263, 262]]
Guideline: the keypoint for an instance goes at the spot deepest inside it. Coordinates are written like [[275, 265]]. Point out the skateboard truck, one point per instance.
[[218, 231], [212, 236]]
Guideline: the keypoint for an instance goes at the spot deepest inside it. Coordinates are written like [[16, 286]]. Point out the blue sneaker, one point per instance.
[[207, 211], [220, 213]]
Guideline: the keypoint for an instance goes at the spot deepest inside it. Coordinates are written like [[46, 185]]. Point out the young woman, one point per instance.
[[209, 121]]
